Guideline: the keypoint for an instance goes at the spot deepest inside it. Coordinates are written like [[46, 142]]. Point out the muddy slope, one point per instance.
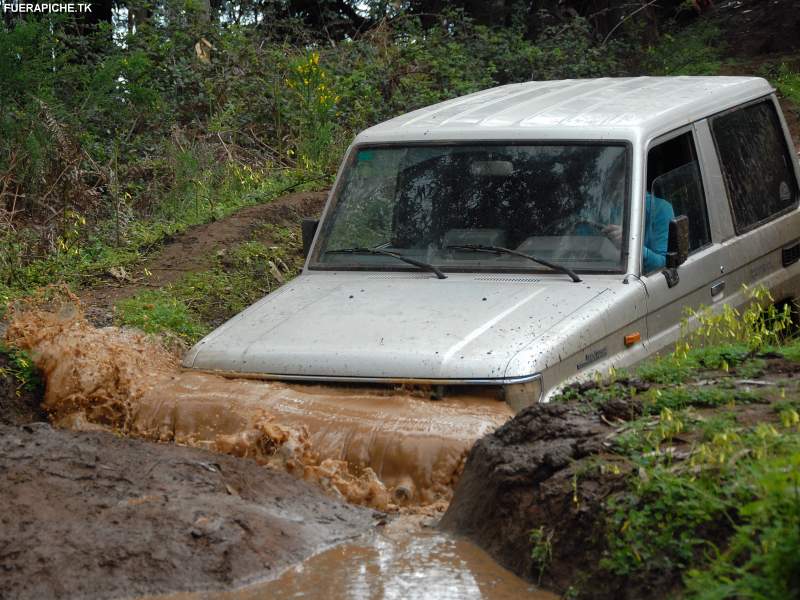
[[92, 515], [756, 27], [195, 249]]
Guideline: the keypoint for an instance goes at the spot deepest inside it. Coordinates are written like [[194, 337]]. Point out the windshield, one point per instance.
[[561, 203]]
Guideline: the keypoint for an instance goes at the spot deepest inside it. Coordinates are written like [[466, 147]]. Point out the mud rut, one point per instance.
[[194, 250]]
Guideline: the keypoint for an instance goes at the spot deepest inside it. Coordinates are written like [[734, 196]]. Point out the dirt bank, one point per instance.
[[195, 249], [92, 515], [756, 27], [521, 478], [538, 493]]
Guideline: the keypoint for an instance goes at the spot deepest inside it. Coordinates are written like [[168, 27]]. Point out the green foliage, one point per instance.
[[694, 50], [713, 495], [762, 558], [21, 367], [193, 305], [597, 395], [317, 109], [681, 397], [542, 549], [787, 80], [156, 311], [790, 351], [250, 271], [758, 326], [737, 491], [141, 137], [80, 255]]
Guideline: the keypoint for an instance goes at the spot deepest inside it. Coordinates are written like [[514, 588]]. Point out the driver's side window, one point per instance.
[[674, 188]]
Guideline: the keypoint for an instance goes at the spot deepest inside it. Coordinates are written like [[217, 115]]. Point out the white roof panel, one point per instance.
[[573, 108]]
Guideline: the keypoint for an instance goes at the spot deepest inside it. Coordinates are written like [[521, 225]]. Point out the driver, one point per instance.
[[657, 215]]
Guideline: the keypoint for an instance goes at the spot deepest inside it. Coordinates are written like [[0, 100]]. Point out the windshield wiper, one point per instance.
[[500, 250], [417, 263]]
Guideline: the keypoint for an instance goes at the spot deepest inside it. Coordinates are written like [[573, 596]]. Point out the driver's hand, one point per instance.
[[613, 233]]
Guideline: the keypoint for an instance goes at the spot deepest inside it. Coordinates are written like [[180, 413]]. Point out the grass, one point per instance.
[[83, 254], [694, 50], [787, 81], [542, 551], [158, 312], [724, 510], [20, 368], [713, 494], [198, 302]]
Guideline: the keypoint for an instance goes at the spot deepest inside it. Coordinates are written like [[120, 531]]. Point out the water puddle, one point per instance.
[[403, 561]]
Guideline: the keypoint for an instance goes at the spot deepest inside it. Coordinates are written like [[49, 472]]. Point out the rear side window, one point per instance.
[[756, 164]]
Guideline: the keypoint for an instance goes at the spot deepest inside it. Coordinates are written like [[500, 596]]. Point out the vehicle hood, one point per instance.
[[395, 326]]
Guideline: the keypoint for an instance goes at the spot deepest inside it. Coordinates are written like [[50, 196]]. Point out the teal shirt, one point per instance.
[[657, 215]]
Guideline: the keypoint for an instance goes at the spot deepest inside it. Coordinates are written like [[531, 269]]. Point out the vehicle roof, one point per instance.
[[608, 108]]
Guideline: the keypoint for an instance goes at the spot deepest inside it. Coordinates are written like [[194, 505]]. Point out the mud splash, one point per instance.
[[383, 448]]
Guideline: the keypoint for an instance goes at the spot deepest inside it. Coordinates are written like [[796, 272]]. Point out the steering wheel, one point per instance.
[[573, 226]]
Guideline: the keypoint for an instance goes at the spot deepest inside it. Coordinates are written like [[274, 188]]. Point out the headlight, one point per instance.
[[520, 395]]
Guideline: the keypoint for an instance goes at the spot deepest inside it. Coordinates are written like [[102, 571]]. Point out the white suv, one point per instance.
[[531, 234]]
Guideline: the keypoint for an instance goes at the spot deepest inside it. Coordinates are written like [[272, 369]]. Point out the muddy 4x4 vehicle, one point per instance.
[[531, 234]]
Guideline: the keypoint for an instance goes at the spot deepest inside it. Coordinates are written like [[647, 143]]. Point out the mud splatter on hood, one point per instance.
[[390, 326]]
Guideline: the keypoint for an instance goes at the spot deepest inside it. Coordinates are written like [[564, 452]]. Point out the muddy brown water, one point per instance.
[[403, 561], [385, 448]]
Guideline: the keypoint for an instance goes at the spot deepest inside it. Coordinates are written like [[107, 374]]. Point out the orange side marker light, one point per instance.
[[633, 338]]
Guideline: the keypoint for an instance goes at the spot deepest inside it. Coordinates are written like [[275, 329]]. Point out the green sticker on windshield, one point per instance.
[[365, 155]]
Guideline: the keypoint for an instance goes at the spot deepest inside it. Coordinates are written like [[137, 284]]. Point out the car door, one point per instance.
[[675, 174], [760, 176]]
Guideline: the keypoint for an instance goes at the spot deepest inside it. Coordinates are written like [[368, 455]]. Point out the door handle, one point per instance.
[[718, 288]]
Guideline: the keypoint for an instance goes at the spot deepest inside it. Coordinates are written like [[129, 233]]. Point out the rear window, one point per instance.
[[756, 164]]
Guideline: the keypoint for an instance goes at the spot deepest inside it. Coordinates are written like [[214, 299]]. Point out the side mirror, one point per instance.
[[677, 248], [678, 242], [308, 228]]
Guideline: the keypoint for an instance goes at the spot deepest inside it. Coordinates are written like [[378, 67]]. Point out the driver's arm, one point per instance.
[[658, 214]]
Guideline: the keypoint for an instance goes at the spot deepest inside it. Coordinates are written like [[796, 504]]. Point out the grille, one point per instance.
[[790, 255]]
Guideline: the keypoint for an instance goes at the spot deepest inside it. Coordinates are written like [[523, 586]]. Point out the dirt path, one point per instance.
[[93, 515], [757, 27], [195, 249]]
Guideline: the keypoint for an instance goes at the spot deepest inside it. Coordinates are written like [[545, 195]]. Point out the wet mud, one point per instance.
[[388, 449], [401, 560], [95, 515], [521, 478]]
